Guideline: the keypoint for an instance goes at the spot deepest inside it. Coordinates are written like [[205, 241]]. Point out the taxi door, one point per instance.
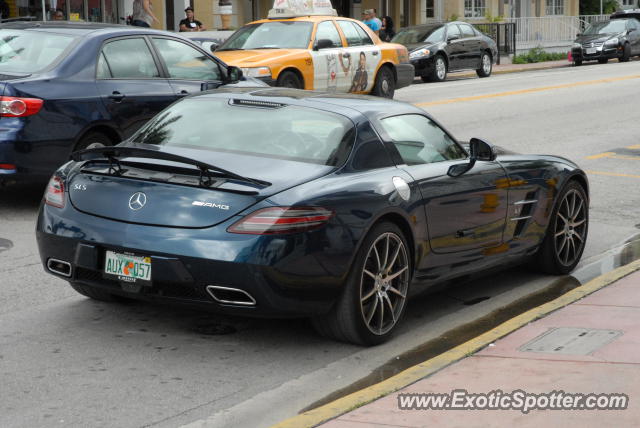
[[362, 56], [327, 57]]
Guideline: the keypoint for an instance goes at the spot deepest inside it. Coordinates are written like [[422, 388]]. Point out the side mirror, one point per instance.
[[213, 46], [579, 34], [479, 150], [452, 38], [322, 44], [234, 74]]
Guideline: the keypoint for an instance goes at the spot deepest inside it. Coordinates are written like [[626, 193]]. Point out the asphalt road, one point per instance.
[[68, 361]]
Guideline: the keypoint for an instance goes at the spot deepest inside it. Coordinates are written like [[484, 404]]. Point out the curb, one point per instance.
[[413, 374], [513, 70]]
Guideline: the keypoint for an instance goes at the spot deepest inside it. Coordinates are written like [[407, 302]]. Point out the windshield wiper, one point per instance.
[[114, 155]]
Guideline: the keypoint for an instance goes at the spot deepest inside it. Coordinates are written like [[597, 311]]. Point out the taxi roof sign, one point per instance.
[[293, 8]]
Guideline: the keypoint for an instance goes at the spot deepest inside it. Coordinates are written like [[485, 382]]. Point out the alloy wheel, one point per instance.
[[570, 227], [441, 68], [486, 64], [384, 283]]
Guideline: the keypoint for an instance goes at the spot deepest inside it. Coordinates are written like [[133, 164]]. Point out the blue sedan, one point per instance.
[[67, 86], [334, 207]]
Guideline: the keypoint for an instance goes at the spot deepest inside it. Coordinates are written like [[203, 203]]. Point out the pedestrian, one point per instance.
[[374, 16], [190, 23], [143, 14], [386, 31], [369, 21], [4, 10]]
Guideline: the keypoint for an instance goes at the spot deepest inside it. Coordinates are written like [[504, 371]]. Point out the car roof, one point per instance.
[[628, 13], [425, 26], [351, 105], [76, 28], [309, 18]]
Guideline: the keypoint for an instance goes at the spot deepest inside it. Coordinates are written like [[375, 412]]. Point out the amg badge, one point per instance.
[[210, 204]]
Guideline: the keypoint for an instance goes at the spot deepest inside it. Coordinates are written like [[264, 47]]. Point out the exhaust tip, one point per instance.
[[230, 296], [59, 267]]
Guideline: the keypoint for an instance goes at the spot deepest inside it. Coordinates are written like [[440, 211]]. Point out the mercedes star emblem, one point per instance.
[[137, 201]]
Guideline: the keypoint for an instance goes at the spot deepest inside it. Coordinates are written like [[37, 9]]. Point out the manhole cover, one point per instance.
[[571, 341], [5, 244]]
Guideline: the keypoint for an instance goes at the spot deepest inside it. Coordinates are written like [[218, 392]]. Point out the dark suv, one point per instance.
[[602, 41], [67, 86]]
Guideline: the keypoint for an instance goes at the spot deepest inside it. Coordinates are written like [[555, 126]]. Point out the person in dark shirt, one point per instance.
[[4, 10], [190, 23]]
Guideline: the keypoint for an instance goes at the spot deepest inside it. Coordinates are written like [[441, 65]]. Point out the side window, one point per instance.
[[350, 33], [467, 30], [186, 62], [127, 59], [103, 71], [366, 40], [327, 30], [419, 140], [370, 153], [452, 30]]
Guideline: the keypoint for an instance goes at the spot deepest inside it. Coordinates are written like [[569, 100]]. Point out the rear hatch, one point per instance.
[[157, 192]]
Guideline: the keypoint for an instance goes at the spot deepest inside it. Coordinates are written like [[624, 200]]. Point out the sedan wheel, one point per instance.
[[485, 66], [439, 72], [375, 295], [566, 235]]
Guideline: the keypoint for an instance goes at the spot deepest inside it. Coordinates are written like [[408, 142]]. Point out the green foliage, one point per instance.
[[592, 7], [490, 18], [453, 17], [538, 55]]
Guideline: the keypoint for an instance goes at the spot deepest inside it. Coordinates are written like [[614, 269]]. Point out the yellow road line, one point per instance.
[[413, 374], [529, 91], [613, 174], [601, 155]]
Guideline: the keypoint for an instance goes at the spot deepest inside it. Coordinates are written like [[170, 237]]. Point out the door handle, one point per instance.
[[346, 55], [464, 233], [183, 93], [116, 96], [374, 53]]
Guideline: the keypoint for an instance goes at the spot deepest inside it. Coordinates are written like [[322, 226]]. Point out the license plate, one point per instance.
[[591, 51], [128, 268]]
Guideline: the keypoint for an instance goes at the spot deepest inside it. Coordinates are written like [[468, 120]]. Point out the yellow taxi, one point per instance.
[[317, 50]]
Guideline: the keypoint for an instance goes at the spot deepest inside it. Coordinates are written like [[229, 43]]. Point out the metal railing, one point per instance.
[[504, 34]]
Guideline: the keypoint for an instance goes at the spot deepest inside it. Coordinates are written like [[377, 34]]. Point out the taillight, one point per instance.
[[19, 107], [7, 168], [54, 195], [276, 220]]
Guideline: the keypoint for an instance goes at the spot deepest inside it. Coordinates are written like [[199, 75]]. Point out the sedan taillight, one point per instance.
[[19, 107], [277, 220], [54, 195]]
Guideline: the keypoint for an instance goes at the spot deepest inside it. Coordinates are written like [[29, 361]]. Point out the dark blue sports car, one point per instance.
[[65, 86], [278, 202]]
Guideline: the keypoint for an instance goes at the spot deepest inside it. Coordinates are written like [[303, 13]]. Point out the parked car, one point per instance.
[[626, 13], [209, 40], [602, 41], [65, 86], [330, 206], [318, 52], [437, 49]]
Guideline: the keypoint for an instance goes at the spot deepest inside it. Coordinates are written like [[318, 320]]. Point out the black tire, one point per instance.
[[577, 62], [626, 53], [439, 74], [426, 78], [385, 85], [486, 65], [603, 60], [550, 257], [93, 140], [347, 320], [289, 79], [94, 293]]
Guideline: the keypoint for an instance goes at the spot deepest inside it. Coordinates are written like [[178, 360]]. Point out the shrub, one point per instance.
[[538, 55]]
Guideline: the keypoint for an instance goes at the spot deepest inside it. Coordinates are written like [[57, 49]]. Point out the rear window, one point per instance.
[[29, 52], [220, 125]]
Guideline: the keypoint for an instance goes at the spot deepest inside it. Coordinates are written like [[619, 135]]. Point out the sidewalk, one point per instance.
[[572, 360], [516, 68]]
